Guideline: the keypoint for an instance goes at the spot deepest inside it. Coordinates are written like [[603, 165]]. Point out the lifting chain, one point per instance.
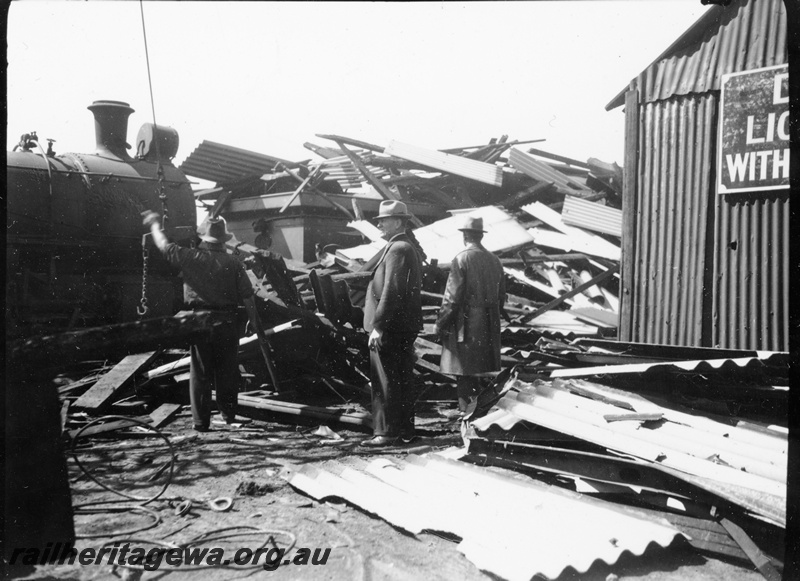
[[143, 308], [162, 195]]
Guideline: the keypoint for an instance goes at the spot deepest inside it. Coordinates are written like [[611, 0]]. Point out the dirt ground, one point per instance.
[[247, 463]]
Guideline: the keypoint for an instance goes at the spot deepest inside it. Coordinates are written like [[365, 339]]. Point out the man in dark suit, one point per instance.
[[213, 280], [469, 320], [393, 318]]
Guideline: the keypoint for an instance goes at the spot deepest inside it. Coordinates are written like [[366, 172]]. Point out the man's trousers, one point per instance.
[[393, 390], [214, 364]]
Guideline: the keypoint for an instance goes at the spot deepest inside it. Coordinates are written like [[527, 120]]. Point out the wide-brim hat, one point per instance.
[[472, 224], [215, 230], [392, 209]]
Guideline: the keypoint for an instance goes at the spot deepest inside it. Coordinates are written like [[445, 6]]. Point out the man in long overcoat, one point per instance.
[[469, 320], [393, 318]]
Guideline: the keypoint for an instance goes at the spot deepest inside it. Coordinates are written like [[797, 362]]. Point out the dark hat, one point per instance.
[[392, 209], [472, 224], [215, 230]]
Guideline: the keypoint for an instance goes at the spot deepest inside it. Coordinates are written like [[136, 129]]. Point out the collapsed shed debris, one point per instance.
[[555, 225]]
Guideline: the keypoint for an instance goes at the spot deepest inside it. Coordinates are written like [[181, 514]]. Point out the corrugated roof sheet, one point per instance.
[[223, 163], [442, 239], [746, 35], [342, 170], [483, 507], [750, 463], [580, 240], [453, 164], [543, 172], [592, 216], [700, 366]]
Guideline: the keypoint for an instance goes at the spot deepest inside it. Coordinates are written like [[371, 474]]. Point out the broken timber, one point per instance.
[[577, 290], [28, 357], [163, 414], [356, 421], [99, 396]]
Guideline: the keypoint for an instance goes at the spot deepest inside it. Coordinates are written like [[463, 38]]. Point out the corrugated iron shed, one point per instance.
[[486, 510], [699, 268]]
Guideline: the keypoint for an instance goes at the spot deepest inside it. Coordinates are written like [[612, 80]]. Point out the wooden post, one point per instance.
[[629, 210]]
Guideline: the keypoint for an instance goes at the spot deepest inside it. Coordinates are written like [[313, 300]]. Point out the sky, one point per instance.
[[269, 76]]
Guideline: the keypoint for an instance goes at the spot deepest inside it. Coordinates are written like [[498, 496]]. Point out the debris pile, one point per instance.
[[664, 441]]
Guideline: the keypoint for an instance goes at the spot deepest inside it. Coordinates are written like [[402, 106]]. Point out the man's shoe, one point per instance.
[[198, 428], [408, 439], [378, 441]]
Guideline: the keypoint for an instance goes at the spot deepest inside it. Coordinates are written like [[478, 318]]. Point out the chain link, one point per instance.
[[143, 308], [162, 195]]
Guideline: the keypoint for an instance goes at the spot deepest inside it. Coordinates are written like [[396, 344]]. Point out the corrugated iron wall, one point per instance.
[[703, 269], [671, 221], [751, 272]]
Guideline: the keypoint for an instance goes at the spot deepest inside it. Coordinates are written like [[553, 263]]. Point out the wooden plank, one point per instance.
[[300, 188], [358, 421], [353, 142], [751, 550], [164, 413], [36, 356], [453, 164], [561, 158], [313, 189], [100, 394], [382, 189], [633, 417]]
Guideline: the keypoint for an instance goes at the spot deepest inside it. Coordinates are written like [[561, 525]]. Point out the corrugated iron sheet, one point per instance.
[[594, 245], [453, 164], [745, 465], [442, 240], [223, 163], [342, 170], [666, 286], [556, 323], [482, 506], [751, 272], [748, 34], [592, 216], [772, 360], [542, 172]]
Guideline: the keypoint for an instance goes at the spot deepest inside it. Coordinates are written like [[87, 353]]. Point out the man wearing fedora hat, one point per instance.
[[393, 318], [469, 320], [213, 280]]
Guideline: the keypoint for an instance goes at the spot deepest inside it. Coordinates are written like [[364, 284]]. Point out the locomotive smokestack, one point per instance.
[[111, 127]]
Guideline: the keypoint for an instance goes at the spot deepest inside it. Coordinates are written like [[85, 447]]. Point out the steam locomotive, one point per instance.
[[74, 250]]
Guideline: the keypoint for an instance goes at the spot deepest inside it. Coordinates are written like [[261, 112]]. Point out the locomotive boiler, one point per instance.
[[75, 255]]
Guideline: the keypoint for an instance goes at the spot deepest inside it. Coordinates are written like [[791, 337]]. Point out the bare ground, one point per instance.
[[246, 464]]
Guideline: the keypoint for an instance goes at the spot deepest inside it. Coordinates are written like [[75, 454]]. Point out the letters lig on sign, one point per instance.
[[754, 131]]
